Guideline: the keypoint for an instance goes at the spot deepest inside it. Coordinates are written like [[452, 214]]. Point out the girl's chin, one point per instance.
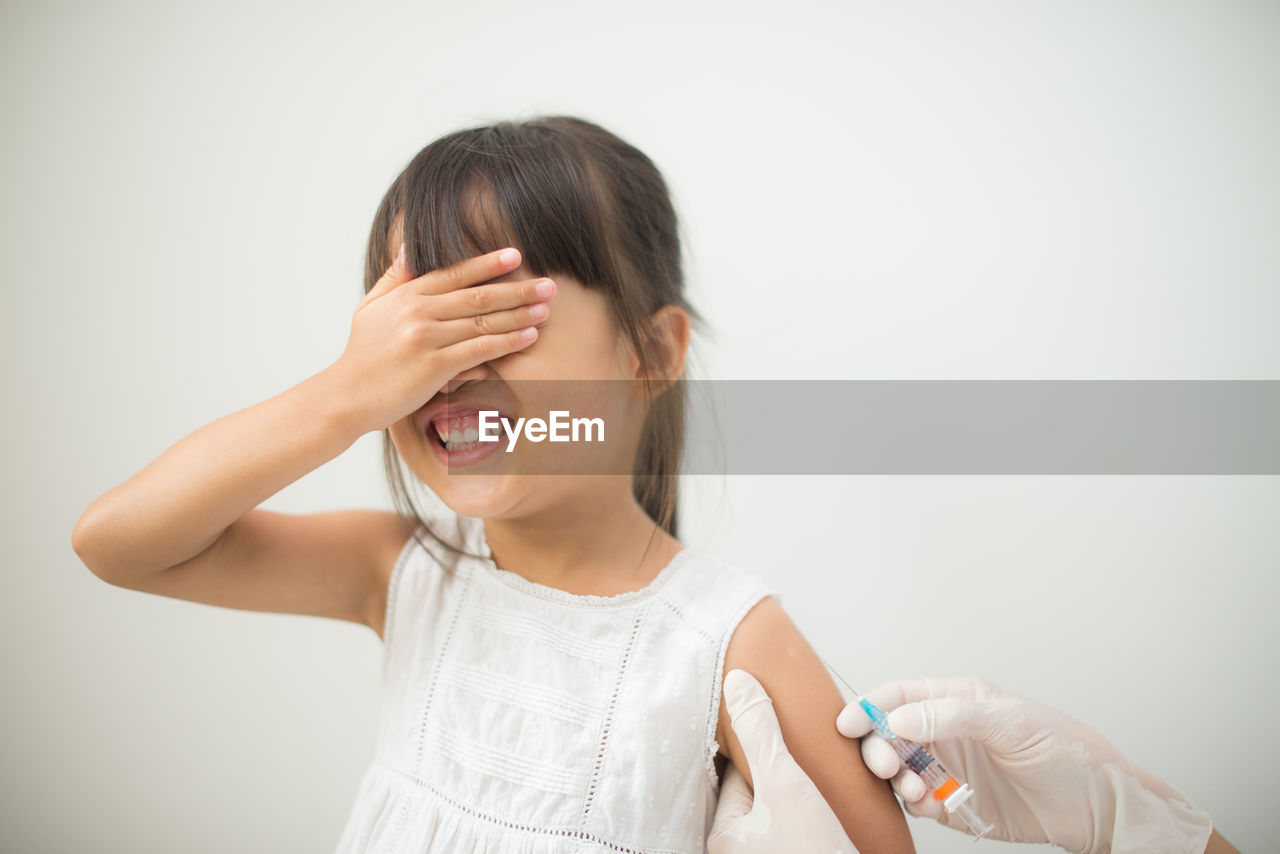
[[481, 496]]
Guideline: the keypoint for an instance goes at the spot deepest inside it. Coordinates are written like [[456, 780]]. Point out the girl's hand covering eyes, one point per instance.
[[410, 336]]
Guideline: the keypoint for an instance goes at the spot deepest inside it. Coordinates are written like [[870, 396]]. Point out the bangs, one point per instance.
[[456, 224], [481, 190]]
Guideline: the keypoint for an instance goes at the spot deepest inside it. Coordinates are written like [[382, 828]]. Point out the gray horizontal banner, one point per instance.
[[985, 427], [843, 427]]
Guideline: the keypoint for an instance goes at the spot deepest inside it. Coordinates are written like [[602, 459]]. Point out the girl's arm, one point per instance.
[[187, 526], [767, 645]]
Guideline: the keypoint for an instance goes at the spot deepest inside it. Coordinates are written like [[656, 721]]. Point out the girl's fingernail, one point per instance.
[[508, 256], [529, 334], [545, 288], [539, 310]]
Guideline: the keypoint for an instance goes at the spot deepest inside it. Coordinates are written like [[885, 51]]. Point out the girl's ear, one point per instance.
[[670, 344]]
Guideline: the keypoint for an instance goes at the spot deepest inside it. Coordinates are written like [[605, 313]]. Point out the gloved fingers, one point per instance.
[[853, 722], [946, 719], [879, 757], [754, 722], [891, 695], [736, 798], [909, 786]]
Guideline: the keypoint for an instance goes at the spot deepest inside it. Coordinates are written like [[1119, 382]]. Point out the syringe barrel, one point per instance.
[[953, 794], [912, 755], [919, 760], [934, 774]]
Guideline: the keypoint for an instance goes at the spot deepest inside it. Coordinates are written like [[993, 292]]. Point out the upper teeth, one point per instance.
[[455, 435], [471, 434]]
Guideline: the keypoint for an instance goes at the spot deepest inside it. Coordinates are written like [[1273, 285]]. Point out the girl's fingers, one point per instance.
[[494, 323], [475, 351], [472, 271], [483, 299], [397, 274]]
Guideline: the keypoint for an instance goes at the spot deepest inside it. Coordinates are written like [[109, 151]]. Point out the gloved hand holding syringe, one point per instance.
[[953, 794], [1046, 776]]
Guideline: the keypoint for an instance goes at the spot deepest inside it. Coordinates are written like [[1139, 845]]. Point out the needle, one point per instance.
[[836, 674]]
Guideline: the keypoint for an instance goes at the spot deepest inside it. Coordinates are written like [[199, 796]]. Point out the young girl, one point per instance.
[[554, 656]]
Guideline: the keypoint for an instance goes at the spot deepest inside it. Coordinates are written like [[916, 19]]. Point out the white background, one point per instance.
[[933, 190]]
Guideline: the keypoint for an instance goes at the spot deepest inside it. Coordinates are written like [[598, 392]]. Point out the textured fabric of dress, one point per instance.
[[523, 719]]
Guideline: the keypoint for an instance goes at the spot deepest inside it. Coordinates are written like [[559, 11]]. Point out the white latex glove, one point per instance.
[[787, 813], [1039, 775]]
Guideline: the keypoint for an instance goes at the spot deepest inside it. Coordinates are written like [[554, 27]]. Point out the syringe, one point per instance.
[[954, 795]]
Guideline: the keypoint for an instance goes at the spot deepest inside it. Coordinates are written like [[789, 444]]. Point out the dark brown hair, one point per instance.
[[574, 199]]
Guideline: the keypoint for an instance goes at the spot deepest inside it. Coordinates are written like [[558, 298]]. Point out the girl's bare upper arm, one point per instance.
[[334, 564], [768, 645]]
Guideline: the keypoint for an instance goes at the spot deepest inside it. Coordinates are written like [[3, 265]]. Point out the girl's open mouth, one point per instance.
[[455, 439]]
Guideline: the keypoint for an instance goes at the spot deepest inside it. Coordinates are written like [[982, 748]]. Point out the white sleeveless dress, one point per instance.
[[523, 719]]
